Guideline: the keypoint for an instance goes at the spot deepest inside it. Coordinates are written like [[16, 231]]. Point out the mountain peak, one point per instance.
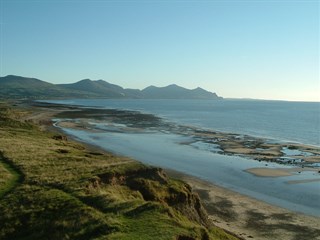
[[173, 86], [10, 76], [85, 80], [174, 91], [101, 81]]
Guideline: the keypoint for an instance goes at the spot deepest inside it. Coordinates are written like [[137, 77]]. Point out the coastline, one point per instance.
[[234, 212], [250, 218], [120, 120], [71, 191]]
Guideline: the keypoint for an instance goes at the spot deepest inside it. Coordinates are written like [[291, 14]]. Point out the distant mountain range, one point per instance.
[[17, 87]]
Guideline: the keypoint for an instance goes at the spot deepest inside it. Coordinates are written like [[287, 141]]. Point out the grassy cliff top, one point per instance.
[[54, 188]]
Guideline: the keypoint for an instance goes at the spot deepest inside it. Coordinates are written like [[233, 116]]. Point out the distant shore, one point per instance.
[[242, 215]]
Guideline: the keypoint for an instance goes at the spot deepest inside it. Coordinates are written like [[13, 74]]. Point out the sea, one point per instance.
[[278, 121]]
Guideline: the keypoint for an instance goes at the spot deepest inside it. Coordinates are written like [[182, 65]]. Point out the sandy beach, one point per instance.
[[249, 218], [246, 217], [278, 172]]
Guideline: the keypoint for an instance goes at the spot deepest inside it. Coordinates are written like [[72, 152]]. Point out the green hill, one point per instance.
[[176, 92], [16, 87], [98, 87]]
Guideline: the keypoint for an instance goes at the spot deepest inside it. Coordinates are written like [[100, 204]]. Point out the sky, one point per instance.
[[266, 49]]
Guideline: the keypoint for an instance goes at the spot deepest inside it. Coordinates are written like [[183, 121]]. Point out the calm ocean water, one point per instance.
[[278, 120]]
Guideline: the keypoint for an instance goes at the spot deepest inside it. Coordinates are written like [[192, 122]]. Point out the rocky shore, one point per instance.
[[304, 157]]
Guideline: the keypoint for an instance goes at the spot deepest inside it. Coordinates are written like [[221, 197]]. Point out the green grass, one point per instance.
[[9, 177], [140, 224], [32, 212], [57, 189]]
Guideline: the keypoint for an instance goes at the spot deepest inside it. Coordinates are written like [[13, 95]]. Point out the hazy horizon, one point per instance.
[[246, 49]]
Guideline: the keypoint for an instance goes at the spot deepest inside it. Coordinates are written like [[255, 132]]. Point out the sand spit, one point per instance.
[[278, 172], [269, 172]]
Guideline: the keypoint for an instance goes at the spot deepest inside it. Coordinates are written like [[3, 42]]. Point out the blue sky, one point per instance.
[[239, 49]]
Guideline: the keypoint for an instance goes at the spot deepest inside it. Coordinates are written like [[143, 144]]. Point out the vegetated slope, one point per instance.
[[176, 92], [102, 88], [109, 90], [16, 87], [70, 192]]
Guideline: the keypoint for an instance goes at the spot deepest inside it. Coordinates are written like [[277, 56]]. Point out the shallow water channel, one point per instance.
[[167, 151]]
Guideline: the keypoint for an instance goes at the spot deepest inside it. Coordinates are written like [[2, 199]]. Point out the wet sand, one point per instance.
[[277, 172], [268, 172], [249, 218]]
